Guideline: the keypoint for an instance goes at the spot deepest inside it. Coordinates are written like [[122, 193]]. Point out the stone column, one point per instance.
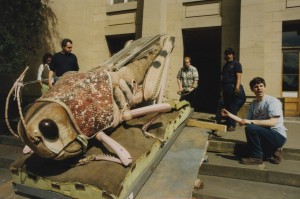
[[154, 17], [260, 42]]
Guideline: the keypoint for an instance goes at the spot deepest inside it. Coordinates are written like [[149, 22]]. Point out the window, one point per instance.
[[291, 58], [290, 71], [291, 38], [120, 1]]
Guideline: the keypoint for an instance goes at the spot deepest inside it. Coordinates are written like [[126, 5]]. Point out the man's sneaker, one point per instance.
[[230, 128], [276, 157], [251, 161]]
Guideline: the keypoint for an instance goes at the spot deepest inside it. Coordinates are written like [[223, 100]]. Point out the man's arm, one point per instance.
[[238, 81], [226, 113], [179, 84], [50, 76], [196, 78], [76, 67], [264, 123], [39, 75], [179, 80], [195, 84]]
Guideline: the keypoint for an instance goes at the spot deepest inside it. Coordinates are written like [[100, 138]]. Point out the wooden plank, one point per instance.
[[176, 173], [144, 174], [207, 125]]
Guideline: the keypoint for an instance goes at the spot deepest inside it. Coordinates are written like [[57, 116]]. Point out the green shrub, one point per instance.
[[21, 24]]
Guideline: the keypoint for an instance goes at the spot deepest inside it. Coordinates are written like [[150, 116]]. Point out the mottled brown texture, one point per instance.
[[88, 99]]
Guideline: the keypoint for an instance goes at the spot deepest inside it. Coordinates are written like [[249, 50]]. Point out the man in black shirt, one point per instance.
[[232, 90], [63, 61]]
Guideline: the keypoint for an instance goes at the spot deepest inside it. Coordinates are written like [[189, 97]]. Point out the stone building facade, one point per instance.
[[256, 29]]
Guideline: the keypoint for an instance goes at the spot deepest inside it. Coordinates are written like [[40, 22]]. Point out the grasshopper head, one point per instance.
[[50, 133]]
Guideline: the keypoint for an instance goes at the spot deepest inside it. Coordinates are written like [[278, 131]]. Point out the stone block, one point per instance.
[[203, 10]]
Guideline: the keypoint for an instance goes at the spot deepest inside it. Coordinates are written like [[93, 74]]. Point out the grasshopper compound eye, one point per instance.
[[49, 129]]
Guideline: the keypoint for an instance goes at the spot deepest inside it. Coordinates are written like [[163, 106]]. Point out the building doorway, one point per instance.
[[203, 45]]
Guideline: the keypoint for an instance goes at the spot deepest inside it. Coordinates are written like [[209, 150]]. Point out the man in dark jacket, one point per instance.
[[63, 61], [232, 90]]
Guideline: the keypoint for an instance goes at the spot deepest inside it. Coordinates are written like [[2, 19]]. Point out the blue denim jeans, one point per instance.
[[262, 142], [233, 102]]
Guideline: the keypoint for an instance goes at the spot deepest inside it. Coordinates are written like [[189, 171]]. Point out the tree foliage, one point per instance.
[[21, 24]]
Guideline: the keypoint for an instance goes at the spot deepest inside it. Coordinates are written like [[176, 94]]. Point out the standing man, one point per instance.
[[63, 61], [264, 127], [232, 90], [187, 80]]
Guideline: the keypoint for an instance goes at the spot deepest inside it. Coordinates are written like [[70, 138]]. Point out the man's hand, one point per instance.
[[224, 113], [191, 89], [237, 91], [244, 122], [180, 91]]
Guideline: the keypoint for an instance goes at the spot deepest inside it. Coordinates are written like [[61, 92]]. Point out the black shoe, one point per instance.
[[230, 128], [214, 134], [251, 161], [221, 122], [276, 157]]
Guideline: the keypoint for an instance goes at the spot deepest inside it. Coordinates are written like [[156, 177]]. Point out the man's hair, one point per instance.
[[65, 41], [187, 58], [257, 80], [228, 51], [45, 57]]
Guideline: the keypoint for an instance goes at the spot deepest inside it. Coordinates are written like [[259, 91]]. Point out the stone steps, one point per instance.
[[220, 146], [224, 177], [227, 165]]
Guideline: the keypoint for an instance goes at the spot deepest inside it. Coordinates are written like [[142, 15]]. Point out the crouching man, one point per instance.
[[265, 132]]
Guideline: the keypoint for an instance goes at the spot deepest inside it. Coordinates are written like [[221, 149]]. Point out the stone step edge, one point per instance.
[[234, 147], [251, 174], [5, 162], [197, 195], [203, 193], [11, 140]]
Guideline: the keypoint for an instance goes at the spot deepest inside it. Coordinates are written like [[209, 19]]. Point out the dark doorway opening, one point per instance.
[[116, 42], [203, 45]]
